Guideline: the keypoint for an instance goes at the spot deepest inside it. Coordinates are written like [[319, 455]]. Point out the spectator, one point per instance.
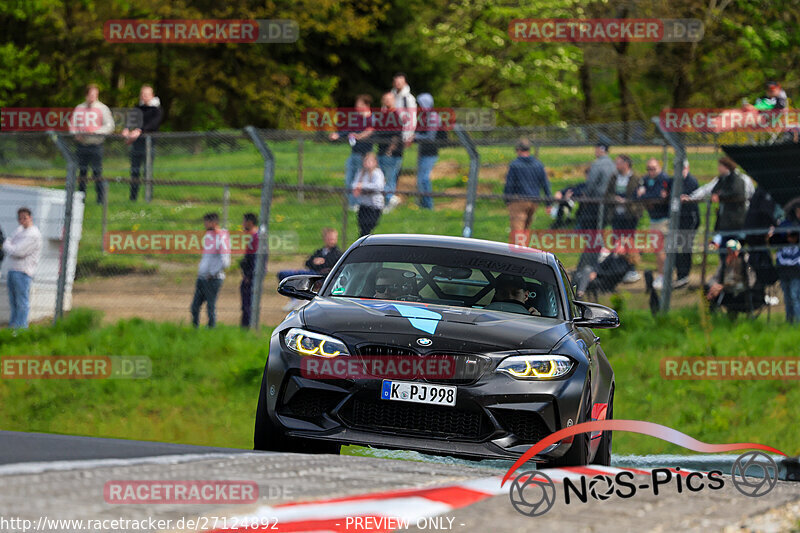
[[688, 223], [729, 193], [628, 211], [600, 185], [405, 102], [248, 266], [775, 99], [525, 179], [216, 258], [762, 215], [609, 272], [369, 187], [23, 249], [359, 137], [655, 189], [321, 261], [561, 211], [787, 261], [733, 279], [390, 148], [89, 138], [704, 192], [150, 116], [430, 132]]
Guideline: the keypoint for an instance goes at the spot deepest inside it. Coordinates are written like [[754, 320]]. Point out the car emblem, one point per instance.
[[424, 341]]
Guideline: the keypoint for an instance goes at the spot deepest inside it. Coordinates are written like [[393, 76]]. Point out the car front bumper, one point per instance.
[[496, 416]]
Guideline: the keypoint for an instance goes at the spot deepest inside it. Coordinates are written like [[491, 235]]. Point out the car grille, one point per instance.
[[311, 403], [468, 367], [526, 425], [424, 420], [380, 350]]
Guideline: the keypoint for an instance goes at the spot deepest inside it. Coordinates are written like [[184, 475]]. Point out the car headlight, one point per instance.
[[310, 343], [536, 366]]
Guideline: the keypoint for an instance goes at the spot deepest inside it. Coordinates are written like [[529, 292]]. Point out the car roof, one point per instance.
[[461, 243]]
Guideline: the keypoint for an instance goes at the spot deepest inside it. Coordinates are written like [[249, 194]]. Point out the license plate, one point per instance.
[[418, 392]]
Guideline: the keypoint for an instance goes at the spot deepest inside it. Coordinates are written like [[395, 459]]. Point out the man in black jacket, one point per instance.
[[729, 193], [248, 266], [321, 262], [688, 223], [150, 116]]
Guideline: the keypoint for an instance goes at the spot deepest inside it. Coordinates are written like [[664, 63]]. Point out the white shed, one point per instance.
[[47, 207]]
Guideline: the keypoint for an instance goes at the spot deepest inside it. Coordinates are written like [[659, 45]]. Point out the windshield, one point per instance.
[[448, 277]]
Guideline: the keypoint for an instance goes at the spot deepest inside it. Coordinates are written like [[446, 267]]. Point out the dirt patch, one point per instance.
[[166, 296]]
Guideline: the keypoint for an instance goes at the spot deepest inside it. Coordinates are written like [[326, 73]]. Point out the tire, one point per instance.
[[578, 453], [603, 455], [268, 437]]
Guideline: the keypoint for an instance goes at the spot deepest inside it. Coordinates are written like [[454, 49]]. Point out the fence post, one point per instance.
[[226, 200], [472, 180], [345, 214], [263, 229], [300, 193], [674, 213], [104, 185], [706, 233], [148, 168], [63, 261]]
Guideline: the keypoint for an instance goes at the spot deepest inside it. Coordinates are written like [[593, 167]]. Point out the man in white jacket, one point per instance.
[[92, 121], [406, 106], [22, 253], [216, 258]]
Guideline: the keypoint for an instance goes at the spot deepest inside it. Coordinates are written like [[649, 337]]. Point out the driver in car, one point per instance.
[[511, 295], [391, 284]]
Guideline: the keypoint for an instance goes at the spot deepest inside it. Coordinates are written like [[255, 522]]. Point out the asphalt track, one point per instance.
[[52, 477]]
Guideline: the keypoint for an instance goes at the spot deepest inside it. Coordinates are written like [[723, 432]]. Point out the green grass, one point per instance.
[[205, 383], [203, 387]]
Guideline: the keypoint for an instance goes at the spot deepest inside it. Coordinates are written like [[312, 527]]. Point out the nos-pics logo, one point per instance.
[[533, 493]]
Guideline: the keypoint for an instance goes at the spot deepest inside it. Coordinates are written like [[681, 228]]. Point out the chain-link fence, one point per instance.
[[304, 182]]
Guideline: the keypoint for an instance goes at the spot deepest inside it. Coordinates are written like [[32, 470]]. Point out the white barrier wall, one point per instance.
[[47, 206]]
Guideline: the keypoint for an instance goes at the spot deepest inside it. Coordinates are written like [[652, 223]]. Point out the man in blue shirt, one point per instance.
[[655, 188], [526, 177]]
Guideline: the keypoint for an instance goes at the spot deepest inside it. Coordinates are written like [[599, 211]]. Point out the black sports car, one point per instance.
[[443, 345]]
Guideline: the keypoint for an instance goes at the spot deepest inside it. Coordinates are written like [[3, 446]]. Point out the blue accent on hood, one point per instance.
[[420, 318]]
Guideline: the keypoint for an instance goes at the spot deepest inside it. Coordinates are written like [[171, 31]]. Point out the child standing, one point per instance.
[[369, 186]]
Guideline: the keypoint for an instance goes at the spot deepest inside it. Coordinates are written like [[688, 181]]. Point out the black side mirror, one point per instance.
[[596, 316], [302, 287]]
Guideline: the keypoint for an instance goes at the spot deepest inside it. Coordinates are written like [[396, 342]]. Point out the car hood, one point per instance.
[[449, 328]]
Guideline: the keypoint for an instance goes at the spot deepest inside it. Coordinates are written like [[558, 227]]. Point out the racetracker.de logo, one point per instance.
[[581, 241], [75, 367], [730, 368], [180, 491], [201, 31], [75, 120], [443, 367], [605, 30], [350, 119], [710, 120]]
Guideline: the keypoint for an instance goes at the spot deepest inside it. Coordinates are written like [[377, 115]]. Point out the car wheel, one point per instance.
[[578, 453], [270, 438], [603, 455]]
